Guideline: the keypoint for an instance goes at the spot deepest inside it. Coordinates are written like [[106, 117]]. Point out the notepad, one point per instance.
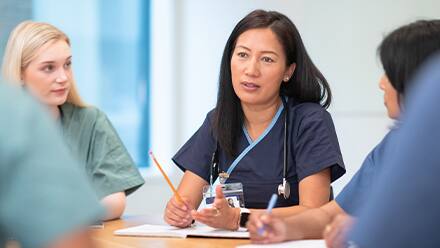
[[312, 243], [175, 232]]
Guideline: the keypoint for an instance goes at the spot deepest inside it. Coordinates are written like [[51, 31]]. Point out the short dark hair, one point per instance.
[[306, 85], [405, 49]]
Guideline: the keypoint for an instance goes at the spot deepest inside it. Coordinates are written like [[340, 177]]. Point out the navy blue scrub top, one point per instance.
[[356, 193], [313, 147]]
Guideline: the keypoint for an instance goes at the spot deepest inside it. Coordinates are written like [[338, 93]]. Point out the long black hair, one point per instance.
[[405, 49], [306, 85]]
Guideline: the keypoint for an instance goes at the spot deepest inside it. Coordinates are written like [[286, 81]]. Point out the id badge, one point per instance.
[[233, 193]]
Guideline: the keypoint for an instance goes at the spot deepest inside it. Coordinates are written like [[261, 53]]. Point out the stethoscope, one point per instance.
[[284, 187]]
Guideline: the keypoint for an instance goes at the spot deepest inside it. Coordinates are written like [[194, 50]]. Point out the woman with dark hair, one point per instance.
[[269, 130], [402, 52]]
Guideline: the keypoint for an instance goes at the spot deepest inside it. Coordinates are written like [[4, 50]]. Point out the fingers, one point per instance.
[[254, 222], [207, 212], [219, 192], [176, 220], [220, 202], [208, 216], [264, 228], [335, 233], [218, 218], [203, 217], [329, 234], [256, 228], [177, 214]]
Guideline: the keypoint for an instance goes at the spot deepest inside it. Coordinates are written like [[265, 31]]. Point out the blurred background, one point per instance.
[[153, 65]]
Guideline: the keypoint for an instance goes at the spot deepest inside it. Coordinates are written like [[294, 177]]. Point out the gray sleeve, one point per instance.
[[44, 195]]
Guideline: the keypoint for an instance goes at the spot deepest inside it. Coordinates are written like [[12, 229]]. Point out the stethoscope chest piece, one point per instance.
[[284, 189]]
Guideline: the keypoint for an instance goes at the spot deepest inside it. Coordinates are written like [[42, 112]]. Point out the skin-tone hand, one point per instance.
[[275, 229], [221, 215], [178, 214], [335, 234]]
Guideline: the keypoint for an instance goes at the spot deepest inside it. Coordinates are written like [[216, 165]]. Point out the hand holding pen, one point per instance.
[[270, 205], [265, 228]]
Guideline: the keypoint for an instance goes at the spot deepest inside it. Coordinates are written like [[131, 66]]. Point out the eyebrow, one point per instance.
[[52, 61], [268, 51]]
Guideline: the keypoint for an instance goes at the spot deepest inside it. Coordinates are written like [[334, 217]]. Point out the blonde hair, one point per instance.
[[23, 44]]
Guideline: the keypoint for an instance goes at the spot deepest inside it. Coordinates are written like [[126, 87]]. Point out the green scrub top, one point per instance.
[[43, 194], [95, 143]]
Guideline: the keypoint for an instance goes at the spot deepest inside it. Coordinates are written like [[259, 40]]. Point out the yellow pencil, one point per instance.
[[166, 178]]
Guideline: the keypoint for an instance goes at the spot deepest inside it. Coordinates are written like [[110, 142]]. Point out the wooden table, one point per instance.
[[104, 237]]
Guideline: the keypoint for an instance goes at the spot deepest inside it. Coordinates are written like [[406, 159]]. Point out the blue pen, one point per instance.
[[271, 204]]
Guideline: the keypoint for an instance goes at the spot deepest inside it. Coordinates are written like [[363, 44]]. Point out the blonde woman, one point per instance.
[[38, 55]]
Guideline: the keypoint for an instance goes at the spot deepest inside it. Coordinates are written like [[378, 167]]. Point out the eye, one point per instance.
[[242, 54], [48, 68], [68, 64], [267, 59]]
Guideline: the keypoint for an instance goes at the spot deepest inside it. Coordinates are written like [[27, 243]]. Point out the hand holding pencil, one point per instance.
[[178, 210], [177, 214], [265, 228]]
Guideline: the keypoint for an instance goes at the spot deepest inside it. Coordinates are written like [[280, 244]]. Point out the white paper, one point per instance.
[[312, 243], [175, 232]]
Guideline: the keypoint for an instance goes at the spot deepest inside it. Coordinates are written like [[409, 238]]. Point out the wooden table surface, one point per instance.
[[104, 237]]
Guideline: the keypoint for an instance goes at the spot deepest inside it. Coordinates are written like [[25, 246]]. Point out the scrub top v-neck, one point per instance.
[[313, 147]]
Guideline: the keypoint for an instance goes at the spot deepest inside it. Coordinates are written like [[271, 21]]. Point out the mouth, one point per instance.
[[59, 91], [250, 85]]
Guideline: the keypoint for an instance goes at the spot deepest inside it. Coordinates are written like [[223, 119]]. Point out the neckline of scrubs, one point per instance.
[[60, 119], [252, 144]]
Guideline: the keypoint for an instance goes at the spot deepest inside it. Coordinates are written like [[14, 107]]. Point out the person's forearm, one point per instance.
[[191, 188], [114, 204], [289, 211], [307, 225]]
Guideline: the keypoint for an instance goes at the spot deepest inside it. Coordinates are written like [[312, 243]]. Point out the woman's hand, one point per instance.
[[265, 228], [335, 234], [221, 215], [177, 213]]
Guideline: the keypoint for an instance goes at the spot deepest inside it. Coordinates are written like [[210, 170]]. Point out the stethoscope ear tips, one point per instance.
[[284, 189]]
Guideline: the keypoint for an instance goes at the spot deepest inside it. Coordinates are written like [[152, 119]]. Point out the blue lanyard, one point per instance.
[[252, 144]]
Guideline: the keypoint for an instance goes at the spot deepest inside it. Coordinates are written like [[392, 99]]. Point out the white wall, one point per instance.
[[340, 36]]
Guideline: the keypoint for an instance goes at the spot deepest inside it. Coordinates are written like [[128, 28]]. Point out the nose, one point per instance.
[[62, 76], [252, 68]]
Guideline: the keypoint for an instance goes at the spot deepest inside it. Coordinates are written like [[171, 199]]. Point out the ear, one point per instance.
[[289, 72]]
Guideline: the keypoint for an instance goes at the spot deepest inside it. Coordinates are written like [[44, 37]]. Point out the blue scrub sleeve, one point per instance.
[[354, 194], [357, 192], [195, 155], [316, 145]]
